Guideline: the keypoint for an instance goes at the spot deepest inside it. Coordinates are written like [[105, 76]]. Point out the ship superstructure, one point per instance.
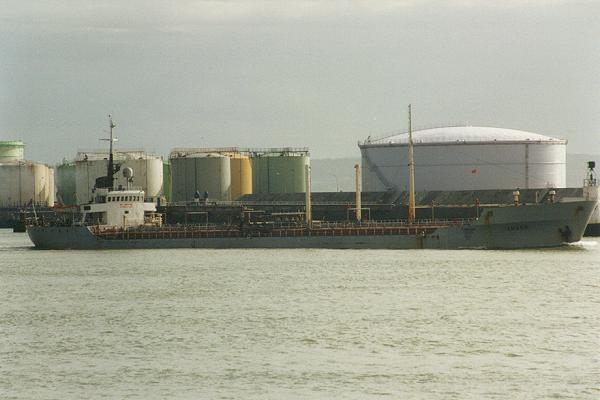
[[118, 209]]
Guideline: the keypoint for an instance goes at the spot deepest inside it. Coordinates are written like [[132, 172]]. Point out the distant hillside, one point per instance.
[[327, 173]]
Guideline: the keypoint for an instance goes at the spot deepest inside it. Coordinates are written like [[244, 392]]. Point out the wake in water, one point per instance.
[[586, 244]]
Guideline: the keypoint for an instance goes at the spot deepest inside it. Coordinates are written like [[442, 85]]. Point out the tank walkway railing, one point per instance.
[[17, 206], [291, 232], [237, 203], [380, 228], [246, 151], [119, 155], [392, 223]]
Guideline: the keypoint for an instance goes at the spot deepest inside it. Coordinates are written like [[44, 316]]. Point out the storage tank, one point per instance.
[[167, 186], [279, 172], [465, 158], [11, 150], [147, 172], [241, 175], [200, 172], [66, 189], [24, 182]]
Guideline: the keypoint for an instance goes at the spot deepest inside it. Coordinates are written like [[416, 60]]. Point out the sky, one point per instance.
[[322, 74]]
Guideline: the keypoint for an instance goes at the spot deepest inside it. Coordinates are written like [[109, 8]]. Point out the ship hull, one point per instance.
[[532, 226], [593, 228]]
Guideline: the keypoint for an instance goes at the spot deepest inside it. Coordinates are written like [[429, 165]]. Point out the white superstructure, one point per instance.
[[465, 158], [117, 209]]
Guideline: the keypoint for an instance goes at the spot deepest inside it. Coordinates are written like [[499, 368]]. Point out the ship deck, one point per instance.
[[268, 230]]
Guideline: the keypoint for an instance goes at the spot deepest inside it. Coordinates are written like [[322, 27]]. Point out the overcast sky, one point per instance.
[[321, 74]]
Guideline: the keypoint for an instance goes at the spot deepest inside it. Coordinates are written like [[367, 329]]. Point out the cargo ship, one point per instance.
[[131, 224], [122, 219]]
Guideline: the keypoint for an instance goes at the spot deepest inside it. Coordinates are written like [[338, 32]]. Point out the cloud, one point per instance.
[[143, 15]]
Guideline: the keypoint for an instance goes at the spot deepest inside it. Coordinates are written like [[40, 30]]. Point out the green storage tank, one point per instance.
[[279, 173]]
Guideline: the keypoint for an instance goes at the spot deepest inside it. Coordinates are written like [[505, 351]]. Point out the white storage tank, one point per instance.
[[11, 150], [200, 172], [24, 182], [147, 172], [465, 158]]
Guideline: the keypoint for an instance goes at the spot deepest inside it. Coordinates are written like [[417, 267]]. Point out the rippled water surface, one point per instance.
[[298, 324]]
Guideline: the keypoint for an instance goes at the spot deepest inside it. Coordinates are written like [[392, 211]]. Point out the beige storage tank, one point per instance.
[[147, 172], [11, 150], [24, 182], [194, 173], [241, 175]]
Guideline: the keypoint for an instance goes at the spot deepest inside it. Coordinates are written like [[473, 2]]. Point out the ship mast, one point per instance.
[[411, 171], [110, 169]]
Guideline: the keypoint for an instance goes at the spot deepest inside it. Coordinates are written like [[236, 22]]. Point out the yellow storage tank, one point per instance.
[[241, 175]]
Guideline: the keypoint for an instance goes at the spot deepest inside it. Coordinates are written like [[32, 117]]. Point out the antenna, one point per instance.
[[110, 169]]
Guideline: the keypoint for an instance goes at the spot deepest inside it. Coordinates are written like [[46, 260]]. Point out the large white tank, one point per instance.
[[147, 172], [465, 158], [65, 183], [23, 182], [200, 172]]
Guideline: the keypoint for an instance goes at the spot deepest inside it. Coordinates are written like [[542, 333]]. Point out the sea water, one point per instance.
[[299, 324]]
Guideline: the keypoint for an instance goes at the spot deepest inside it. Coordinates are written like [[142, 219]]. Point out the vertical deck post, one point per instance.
[[358, 209], [308, 202], [411, 171]]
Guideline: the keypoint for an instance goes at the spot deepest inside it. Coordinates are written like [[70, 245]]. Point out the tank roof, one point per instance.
[[13, 163], [463, 134], [96, 155], [11, 143]]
